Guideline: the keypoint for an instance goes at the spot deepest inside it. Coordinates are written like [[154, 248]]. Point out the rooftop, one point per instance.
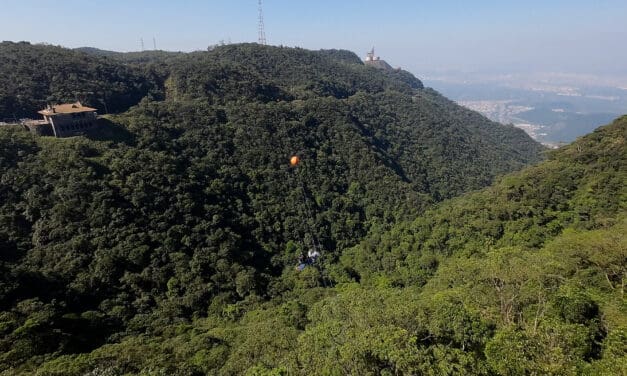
[[68, 108]]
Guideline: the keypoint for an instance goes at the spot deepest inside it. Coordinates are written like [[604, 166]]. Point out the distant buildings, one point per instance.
[[375, 61], [370, 56], [63, 120]]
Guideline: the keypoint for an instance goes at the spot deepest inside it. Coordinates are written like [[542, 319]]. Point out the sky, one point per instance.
[[574, 36]]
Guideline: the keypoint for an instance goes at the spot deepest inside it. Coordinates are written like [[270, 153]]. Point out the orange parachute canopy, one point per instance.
[[294, 161]]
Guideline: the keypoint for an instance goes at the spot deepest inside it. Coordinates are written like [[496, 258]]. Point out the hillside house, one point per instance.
[[64, 120]]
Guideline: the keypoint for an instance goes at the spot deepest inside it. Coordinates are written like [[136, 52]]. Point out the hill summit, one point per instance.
[[375, 61]]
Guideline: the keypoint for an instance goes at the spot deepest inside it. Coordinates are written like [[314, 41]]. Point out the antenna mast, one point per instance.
[[141, 40], [262, 33]]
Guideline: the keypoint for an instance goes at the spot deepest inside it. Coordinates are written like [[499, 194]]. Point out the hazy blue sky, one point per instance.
[[558, 35]]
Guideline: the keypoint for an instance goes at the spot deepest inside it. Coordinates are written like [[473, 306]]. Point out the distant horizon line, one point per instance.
[[425, 69]]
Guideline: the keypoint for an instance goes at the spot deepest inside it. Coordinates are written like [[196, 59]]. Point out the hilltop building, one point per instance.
[[375, 61], [64, 120]]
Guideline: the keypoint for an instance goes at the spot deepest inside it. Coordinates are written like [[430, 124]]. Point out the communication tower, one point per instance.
[[262, 33]]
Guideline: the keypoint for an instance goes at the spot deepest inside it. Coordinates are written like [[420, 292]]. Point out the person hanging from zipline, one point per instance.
[[303, 262], [313, 255]]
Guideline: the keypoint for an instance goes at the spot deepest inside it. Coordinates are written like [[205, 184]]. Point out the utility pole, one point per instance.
[[262, 33]]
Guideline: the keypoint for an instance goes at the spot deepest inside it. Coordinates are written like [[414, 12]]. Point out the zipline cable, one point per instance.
[[317, 247]]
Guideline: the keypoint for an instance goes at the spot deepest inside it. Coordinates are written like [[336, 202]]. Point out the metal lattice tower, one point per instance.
[[262, 33]]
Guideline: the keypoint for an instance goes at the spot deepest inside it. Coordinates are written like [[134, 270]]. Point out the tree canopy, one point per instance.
[[165, 241]]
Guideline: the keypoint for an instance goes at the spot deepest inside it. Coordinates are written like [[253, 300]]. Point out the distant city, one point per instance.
[[553, 108]]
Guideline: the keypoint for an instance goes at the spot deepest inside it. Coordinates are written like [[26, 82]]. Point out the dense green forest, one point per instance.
[[32, 76], [166, 242]]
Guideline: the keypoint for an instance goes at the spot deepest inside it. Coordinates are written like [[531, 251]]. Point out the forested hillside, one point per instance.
[[525, 277], [171, 235], [581, 187], [32, 76]]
